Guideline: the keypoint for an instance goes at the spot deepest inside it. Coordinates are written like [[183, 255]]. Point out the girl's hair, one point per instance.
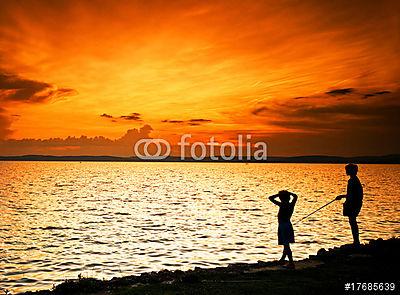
[[284, 195]]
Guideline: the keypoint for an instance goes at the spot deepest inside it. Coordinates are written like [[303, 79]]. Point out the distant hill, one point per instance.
[[388, 159]]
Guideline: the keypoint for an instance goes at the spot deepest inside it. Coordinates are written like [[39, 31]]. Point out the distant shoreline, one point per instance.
[[317, 159]]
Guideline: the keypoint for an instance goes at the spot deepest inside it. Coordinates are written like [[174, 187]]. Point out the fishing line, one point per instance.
[[315, 211]]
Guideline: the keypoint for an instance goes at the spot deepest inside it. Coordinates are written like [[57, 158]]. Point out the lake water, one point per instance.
[[61, 219]]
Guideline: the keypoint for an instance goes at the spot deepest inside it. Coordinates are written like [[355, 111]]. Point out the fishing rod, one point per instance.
[[315, 211]]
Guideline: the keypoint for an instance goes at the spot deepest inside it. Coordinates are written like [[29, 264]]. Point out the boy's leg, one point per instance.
[[354, 229]]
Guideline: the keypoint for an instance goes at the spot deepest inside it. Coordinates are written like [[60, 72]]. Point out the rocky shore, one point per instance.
[[327, 272]]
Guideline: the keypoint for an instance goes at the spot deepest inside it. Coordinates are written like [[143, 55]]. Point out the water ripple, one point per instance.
[[62, 219]]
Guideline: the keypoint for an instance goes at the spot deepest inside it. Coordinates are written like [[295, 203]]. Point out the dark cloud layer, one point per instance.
[[191, 122], [83, 145], [312, 115], [342, 91], [200, 120], [5, 123], [347, 126], [130, 117], [106, 116], [367, 95], [14, 88], [260, 110], [240, 67], [173, 121]]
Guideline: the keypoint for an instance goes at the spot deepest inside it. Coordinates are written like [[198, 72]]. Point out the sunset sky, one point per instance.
[[307, 77]]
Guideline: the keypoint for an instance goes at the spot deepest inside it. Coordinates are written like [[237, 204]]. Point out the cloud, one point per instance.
[[200, 120], [342, 91], [83, 145], [260, 110], [173, 121], [346, 91], [367, 95], [349, 142], [316, 115], [196, 122], [14, 88], [131, 117], [106, 116], [132, 135], [5, 123], [190, 122], [242, 59]]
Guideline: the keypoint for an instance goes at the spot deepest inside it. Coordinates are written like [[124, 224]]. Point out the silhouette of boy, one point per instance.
[[285, 228], [353, 203]]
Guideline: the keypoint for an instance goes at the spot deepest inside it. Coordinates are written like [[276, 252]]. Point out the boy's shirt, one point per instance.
[[354, 191], [354, 197]]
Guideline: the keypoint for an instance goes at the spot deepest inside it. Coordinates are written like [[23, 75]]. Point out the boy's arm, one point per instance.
[[349, 183], [341, 197], [273, 200]]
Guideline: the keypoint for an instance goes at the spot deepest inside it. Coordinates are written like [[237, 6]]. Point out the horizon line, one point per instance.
[[323, 159]]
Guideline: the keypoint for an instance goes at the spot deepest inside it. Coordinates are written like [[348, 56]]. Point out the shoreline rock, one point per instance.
[[333, 262]]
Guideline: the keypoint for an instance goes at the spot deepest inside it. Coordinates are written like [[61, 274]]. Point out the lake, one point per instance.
[[102, 219]]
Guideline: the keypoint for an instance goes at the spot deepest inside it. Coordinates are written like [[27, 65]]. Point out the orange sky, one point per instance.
[[302, 75]]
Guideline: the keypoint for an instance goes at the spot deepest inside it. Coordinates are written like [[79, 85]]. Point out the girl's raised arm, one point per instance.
[[294, 200], [273, 200]]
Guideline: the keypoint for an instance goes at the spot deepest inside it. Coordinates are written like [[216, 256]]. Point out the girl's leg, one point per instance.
[[284, 254], [289, 253]]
